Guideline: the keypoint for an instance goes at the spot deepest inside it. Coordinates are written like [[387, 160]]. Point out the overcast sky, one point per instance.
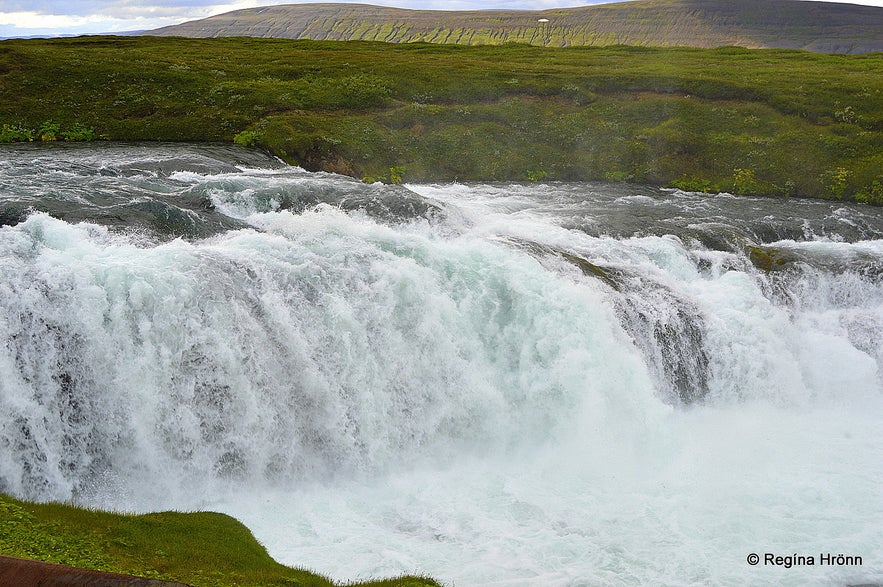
[[61, 17]]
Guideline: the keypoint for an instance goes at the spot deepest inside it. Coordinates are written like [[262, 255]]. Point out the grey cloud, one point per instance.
[[123, 8], [108, 7]]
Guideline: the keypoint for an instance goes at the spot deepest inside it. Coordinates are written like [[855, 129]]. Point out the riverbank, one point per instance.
[[764, 122], [201, 549]]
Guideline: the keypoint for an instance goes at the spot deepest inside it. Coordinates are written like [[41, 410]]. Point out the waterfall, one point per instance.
[[560, 384]]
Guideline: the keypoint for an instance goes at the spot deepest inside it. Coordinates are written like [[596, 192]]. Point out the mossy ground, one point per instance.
[[202, 549], [765, 122]]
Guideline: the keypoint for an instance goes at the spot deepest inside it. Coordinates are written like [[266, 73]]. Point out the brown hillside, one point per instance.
[[815, 26]]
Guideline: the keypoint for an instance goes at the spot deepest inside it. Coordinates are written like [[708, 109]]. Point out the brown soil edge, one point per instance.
[[29, 573]]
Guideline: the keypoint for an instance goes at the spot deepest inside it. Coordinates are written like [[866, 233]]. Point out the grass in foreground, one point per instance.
[[202, 549], [750, 121]]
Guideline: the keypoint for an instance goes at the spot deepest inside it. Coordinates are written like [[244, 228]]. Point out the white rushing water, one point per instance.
[[510, 392]]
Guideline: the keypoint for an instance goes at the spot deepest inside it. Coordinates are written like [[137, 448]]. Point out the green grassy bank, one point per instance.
[[766, 122], [200, 549]]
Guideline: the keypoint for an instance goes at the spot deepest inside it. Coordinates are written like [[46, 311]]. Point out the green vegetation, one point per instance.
[[47, 131], [200, 549], [752, 121], [766, 258]]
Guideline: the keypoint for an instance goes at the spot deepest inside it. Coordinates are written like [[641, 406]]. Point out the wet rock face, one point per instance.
[[28, 573]]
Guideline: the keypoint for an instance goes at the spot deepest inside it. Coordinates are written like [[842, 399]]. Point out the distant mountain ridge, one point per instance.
[[795, 24]]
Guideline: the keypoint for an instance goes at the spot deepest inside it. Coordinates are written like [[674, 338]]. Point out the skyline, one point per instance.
[[24, 18]]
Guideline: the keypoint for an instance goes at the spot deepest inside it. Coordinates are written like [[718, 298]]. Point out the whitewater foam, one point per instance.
[[495, 385]]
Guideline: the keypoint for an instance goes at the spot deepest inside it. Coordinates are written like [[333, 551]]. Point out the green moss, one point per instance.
[[692, 184], [200, 549], [872, 194], [589, 268], [766, 259]]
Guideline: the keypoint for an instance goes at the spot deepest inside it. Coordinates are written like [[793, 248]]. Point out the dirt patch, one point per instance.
[[27, 573]]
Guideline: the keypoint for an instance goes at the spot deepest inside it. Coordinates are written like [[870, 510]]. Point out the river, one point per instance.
[[560, 384]]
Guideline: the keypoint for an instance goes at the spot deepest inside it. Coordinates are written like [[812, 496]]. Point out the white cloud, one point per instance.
[[30, 19], [34, 24], [50, 18], [27, 19]]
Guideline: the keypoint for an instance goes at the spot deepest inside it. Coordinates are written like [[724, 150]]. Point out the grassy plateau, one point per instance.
[[753, 121], [202, 549]]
